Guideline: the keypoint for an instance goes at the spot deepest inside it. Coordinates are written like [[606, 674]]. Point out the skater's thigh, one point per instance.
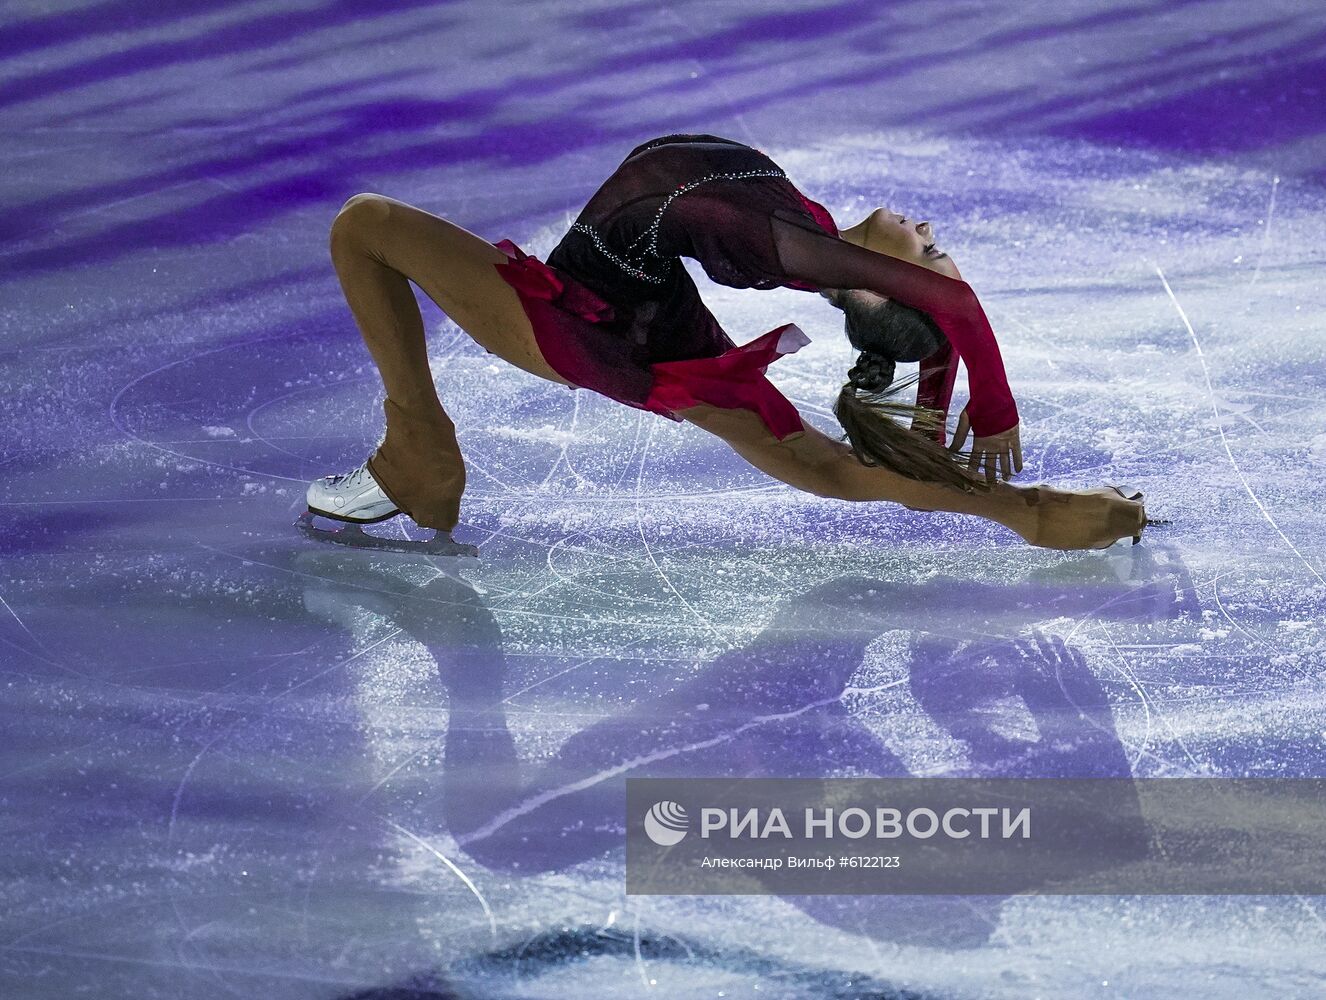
[[810, 461], [454, 267]]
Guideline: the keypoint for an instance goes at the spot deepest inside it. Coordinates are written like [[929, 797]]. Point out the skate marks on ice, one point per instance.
[[192, 615], [1220, 426], [786, 704], [1040, 672]]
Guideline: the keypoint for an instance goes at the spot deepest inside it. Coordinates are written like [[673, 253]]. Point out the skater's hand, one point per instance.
[[1004, 448]]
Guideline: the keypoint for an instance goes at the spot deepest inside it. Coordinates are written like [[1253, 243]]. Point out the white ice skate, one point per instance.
[[354, 499], [353, 496]]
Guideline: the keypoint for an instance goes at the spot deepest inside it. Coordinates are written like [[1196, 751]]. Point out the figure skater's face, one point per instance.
[[901, 236]]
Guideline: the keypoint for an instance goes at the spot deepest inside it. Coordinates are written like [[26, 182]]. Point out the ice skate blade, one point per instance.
[[354, 536]]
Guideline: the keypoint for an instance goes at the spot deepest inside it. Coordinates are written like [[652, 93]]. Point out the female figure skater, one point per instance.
[[614, 310]]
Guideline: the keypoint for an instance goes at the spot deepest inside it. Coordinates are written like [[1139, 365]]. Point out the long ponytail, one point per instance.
[[868, 410]]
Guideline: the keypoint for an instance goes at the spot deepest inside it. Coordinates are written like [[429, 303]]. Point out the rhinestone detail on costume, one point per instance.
[[636, 264], [627, 265]]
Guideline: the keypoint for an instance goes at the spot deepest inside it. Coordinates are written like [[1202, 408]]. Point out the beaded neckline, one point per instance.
[[638, 262]]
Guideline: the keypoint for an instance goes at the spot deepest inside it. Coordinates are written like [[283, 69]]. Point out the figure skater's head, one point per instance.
[[900, 236], [885, 332]]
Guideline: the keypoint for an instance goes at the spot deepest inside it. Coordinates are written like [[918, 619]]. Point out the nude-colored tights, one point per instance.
[[418, 463]]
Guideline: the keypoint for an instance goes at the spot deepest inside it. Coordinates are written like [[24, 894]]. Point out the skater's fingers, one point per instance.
[[991, 467], [1017, 451], [960, 434], [1005, 459]]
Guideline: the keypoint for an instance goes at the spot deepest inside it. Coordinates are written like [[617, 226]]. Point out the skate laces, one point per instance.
[[355, 478]]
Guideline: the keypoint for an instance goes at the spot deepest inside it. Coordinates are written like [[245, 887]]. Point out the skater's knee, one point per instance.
[[366, 203], [825, 469], [360, 212], [843, 476]]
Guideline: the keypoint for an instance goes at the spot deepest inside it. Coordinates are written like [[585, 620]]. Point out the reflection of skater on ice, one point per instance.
[[613, 310], [776, 707]]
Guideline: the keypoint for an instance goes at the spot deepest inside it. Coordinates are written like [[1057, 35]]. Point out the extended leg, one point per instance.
[[378, 246], [818, 464]]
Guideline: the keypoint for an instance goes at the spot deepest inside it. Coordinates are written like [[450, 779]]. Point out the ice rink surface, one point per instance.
[[236, 763]]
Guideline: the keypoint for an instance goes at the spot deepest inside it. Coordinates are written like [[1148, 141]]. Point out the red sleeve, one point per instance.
[[823, 261], [991, 409], [935, 388], [953, 305]]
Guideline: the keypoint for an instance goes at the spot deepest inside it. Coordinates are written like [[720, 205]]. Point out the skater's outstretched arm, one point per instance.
[[829, 262]]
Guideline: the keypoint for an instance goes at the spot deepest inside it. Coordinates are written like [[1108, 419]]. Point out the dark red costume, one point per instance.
[[614, 310]]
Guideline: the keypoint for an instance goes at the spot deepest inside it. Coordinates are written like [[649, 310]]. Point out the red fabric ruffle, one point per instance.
[[734, 379], [590, 356], [536, 279]]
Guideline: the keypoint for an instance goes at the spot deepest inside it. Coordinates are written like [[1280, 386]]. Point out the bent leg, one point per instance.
[[378, 246], [813, 462]]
